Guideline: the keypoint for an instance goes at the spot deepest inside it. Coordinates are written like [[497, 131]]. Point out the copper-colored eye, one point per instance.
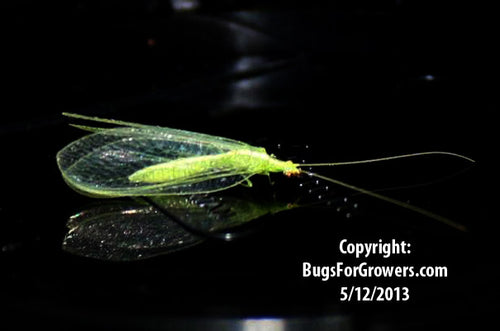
[[292, 172]]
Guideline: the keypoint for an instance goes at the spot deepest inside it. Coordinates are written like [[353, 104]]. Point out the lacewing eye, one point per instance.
[[142, 160]]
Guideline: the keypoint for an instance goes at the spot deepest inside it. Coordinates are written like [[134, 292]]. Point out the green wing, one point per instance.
[[99, 164]]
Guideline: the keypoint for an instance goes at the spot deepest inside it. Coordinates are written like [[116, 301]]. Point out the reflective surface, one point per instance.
[[126, 230], [315, 82]]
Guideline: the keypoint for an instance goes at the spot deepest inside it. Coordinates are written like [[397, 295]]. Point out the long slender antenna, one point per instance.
[[386, 159], [393, 201]]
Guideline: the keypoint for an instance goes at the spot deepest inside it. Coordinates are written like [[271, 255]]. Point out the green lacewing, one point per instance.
[[141, 160]]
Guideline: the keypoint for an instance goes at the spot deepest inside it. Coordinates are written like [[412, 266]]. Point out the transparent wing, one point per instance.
[[125, 232], [99, 164]]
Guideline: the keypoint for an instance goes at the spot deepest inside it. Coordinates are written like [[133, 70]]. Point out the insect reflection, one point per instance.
[[125, 230]]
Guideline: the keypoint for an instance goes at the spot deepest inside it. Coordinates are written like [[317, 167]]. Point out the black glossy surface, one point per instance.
[[349, 81]]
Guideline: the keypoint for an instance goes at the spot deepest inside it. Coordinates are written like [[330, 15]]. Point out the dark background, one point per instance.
[[327, 81]]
